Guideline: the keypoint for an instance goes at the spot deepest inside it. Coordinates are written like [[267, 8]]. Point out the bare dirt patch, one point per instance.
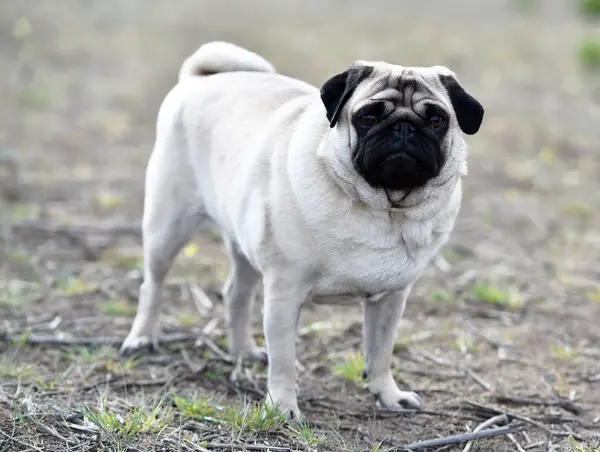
[[511, 327]]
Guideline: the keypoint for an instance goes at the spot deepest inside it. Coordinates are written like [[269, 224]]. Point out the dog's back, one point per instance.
[[210, 128]]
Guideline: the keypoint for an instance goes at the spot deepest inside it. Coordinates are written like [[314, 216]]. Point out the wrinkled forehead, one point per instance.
[[404, 86]]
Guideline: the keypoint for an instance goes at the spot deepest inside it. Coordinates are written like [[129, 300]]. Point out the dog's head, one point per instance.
[[399, 127]]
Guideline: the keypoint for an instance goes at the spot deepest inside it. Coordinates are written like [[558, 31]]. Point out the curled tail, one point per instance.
[[218, 56]]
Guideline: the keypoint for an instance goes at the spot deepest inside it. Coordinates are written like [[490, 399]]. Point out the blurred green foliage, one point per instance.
[[590, 7], [589, 52]]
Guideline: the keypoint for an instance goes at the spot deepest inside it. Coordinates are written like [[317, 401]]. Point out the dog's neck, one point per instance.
[[431, 198], [416, 205]]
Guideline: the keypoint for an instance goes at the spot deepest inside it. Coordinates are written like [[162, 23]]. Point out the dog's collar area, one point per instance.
[[397, 208]]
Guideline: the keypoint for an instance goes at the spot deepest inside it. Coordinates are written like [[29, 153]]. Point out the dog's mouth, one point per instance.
[[404, 203], [398, 170], [414, 164]]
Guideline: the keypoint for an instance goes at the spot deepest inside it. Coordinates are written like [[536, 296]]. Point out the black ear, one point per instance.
[[336, 91], [469, 111]]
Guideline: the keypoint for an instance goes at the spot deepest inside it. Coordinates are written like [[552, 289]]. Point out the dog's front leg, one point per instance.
[[283, 300], [379, 331]]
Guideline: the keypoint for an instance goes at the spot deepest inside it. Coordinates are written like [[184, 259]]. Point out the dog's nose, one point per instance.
[[403, 130]]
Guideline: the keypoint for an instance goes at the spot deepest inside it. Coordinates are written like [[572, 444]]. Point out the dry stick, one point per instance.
[[468, 371], [116, 383], [246, 447], [195, 369], [53, 432], [478, 379], [457, 439], [201, 300], [530, 421], [535, 445], [90, 341], [441, 413], [216, 349], [435, 359], [564, 404], [180, 445], [434, 373], [513, 440], [500, 419], [15, 440], [79, 428]]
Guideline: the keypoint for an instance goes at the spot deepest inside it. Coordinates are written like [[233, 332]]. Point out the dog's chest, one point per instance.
[[387, 263]]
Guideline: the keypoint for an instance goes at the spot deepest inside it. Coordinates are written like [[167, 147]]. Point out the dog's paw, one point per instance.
[[401, 400], [390, 397], [287, 408], [253, 354], [136, 343], [258, 354]]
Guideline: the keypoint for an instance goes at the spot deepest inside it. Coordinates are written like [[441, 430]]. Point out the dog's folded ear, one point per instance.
[[469, 111], [336, 91]]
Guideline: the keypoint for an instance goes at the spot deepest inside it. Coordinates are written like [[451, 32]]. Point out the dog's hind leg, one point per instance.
[[172, 215], [239, 294]]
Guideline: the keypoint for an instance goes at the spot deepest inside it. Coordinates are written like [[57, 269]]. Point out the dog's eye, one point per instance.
[[436, 121], [367, 120]]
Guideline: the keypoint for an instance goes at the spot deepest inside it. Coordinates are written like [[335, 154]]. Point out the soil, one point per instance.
[[510, 327]]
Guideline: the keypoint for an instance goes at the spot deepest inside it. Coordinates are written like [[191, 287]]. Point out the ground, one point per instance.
[[511, 327]]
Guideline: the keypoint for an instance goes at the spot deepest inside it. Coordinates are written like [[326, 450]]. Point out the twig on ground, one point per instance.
[[478, 379], [457, 439], [194, 368], [203, 339], [114, 382], [517, 400], [240, 390], [500, 419], [435, 373], [15, 440], [513, 440], [79, 428], [180, 445], [52, 431], [201, 300], [246, 447], [122, 383], [332, 349], [530, 421], [492, 342], [440, 413], [535, 445], [463, 369], [441, 263], [34, 339], [435, 359]]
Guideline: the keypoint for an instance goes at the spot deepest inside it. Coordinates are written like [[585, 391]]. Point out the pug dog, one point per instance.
[[341, 194]]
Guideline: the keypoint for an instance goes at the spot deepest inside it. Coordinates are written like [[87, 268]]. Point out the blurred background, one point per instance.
[[82, 80]]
